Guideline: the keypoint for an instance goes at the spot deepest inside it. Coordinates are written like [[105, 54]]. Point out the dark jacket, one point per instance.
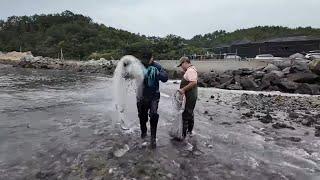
[[149, 89]]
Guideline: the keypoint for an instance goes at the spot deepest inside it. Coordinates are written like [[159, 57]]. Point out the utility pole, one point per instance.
[[61, 55]]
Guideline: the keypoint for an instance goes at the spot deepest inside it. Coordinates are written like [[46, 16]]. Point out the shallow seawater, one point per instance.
[[58, 125]]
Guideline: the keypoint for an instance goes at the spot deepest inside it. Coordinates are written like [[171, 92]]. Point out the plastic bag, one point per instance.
[[178, 103]]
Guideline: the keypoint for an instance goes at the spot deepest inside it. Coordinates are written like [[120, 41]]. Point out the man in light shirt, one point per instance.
[[188, 87]]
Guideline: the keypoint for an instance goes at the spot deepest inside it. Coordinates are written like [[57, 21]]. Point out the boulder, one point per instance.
[[201, 83], [234, 87], [28, 57], [297, 56], [305, 88], [282, 64], [248, 83], [242, 72], [258, 74], [224, 85], [314, 66], [280, 74], [237, 79], [303, 77], [286, 70], [271, 67], [214, 84], [287, 86], [223, 78], [268, 80], [208, 77], [273, 88], [299, 66]]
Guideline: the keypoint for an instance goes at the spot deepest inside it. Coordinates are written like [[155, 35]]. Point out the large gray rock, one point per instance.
[[303, 77], [28, 57], [305, 88], [268, 80], [287, 86], [225, 84], [282, 64], [315, 66], [248, 83], [258, 74], [299, 66], [208, 77], [235, 87], [286, 70], [26, 64], [223, 78], [271, 67], [297, 56], [201, 83], [214, 84], [280, 74], [242, 72]]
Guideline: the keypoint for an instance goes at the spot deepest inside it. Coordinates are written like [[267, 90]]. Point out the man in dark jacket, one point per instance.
[[148, 95]]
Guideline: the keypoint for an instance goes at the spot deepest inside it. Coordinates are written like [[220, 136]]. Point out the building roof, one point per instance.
[[240, 42], [288, 39], [280, 39]]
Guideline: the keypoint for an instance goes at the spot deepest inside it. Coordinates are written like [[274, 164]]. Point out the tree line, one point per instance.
[[81, 38]]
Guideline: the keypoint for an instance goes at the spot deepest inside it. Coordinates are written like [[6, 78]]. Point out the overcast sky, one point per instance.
[[185, 18]]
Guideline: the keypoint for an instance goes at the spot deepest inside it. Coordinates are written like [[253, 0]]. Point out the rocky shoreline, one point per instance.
[[295, 75], [288, 75]]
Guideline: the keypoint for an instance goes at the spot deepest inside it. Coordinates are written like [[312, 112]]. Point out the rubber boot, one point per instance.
[[143, 117], [143, 127], [153, 123]]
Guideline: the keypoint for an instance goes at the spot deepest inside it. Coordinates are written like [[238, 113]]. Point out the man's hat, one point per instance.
[[182, 60]]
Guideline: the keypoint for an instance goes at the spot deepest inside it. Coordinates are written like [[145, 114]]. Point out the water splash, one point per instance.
[[128, 76]]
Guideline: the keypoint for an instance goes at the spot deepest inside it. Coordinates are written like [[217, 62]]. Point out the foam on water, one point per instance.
[[127, 77]]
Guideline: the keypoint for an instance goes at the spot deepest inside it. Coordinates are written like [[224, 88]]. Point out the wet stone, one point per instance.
[[248, 114], [282, 126], [293, 139], [307, 122], [121, 151], [226, 123], [266, 119], [293, 115]]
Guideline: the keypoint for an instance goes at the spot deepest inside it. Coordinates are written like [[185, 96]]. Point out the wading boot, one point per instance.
[[153, 124]]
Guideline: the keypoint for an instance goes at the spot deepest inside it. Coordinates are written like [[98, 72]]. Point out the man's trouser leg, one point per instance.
[[154, 117], [142, 107], [188, 117]]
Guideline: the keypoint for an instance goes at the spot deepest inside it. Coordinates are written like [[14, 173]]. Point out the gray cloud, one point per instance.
[[185, 18]]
